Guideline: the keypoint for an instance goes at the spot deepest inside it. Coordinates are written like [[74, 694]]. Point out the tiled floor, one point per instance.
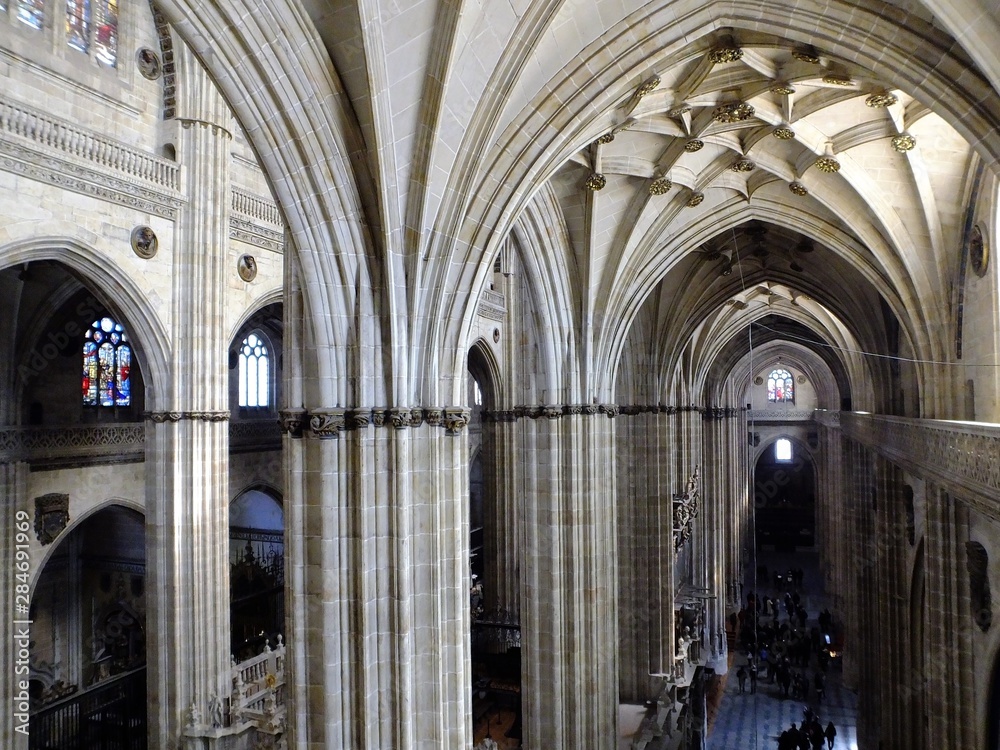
[[752, 721]]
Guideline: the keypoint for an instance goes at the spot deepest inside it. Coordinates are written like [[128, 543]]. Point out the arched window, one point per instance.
[[780, 386], [254, 374], [107, 363]]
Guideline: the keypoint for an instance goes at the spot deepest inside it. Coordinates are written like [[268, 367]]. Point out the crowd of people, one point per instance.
[[781, 649]]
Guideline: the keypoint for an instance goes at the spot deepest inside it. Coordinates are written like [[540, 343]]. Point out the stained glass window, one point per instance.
[[31, 12], [78, 24], [107, 364], [106, 36], [780, 386], [253, 373]]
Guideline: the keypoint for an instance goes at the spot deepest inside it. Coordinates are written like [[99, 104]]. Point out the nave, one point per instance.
[[756, 719]]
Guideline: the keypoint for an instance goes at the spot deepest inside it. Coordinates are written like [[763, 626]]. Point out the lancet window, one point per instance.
[[107, 364]]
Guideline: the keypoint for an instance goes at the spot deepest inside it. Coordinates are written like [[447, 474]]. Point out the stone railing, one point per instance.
[[256, 207], [961, 457], [258, 696], [59, 135]]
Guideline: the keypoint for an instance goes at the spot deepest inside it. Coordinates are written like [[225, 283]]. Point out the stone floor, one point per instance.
[[750, 721]]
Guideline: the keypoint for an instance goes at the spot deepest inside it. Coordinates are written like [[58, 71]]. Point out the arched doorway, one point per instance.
[[88, 648], [785, 496]]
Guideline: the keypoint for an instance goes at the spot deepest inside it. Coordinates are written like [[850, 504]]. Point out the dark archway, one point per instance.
[[88, 649], [256, 572], [785, 496]]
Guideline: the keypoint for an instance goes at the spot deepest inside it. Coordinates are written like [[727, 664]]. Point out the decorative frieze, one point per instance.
[[255, 234], [492, 305], [960, 457], [161, 417]]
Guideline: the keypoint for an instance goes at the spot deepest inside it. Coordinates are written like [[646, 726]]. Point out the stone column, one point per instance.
[[569, 618], [187, 460], [379, 582], [950, 697], [714, 491], [661, 544]]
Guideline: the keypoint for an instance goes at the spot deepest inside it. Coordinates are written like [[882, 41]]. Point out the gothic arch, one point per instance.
[[120, 293]]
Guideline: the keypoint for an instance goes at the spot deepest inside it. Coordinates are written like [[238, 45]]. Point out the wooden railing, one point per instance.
[[258, 696], [111, 715]]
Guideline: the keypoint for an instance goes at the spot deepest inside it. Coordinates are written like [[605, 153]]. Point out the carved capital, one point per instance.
[[590, 408], [379, 417], [327, 423], [358, 419], [573, 409], [398, 418], [455, 420], [611, 410], [416, 417], [292, 421], [434, 416], [551, 412], [161, 417]]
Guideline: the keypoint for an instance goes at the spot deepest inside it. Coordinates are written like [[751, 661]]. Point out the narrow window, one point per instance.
[[31, 13], [780, 387], [106, 38], [78, 24], [783, 449], [254, 375], [107, 364]]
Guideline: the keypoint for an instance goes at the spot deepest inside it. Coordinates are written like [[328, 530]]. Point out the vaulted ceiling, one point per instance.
[[708, 163]]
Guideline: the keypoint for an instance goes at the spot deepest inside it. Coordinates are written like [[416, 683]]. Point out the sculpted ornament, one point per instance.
[[358, 419], [51, 516], [685, 511], [292, 421], [455, 420], [327, 424]]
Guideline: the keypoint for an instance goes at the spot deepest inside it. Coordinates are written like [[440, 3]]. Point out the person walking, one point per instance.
[[831, 735], [741, 677]]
